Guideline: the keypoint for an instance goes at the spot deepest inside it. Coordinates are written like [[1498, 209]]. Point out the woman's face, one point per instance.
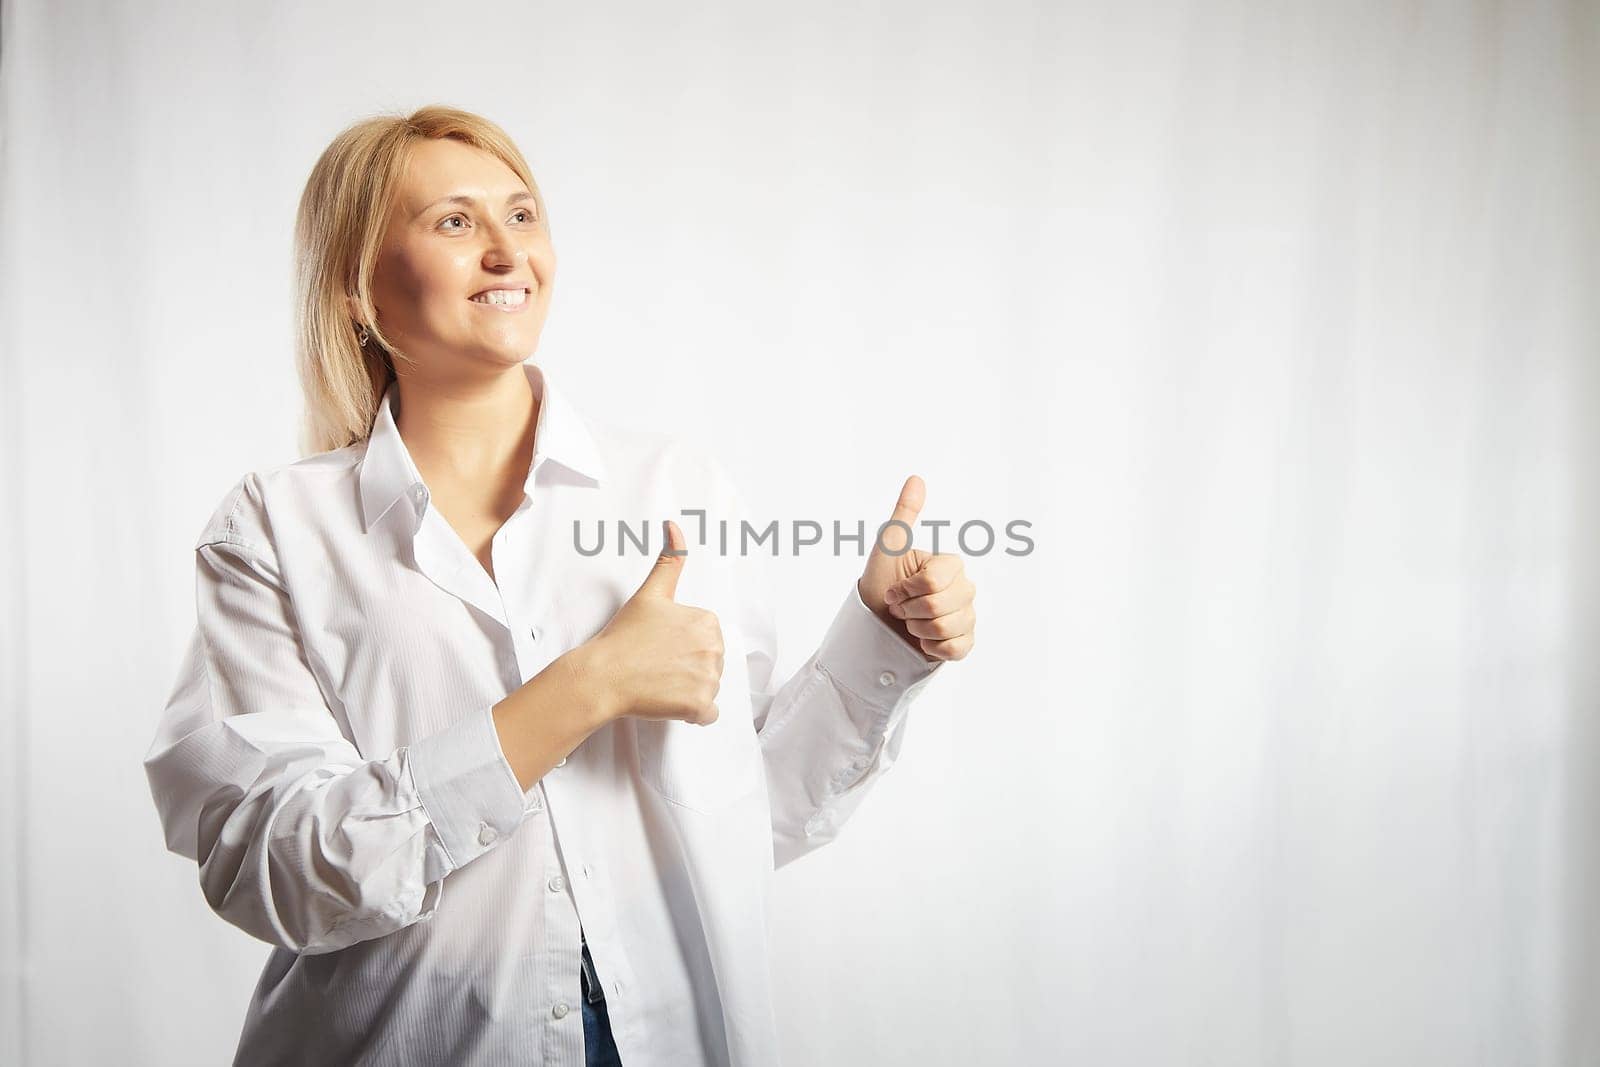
[[462, 225]]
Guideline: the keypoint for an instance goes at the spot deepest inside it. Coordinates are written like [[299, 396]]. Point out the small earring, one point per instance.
[[362, 335]]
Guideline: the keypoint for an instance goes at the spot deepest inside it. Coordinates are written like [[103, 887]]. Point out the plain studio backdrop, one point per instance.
[[1276, 322]]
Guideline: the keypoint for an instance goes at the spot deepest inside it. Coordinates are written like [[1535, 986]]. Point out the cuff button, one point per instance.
[[486, 834], [886, 678]]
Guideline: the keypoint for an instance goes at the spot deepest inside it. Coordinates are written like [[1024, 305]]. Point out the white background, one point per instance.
[[1276, 320]]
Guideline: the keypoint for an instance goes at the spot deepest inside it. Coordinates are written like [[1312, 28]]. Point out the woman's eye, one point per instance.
[[526, 214], [447, 219]]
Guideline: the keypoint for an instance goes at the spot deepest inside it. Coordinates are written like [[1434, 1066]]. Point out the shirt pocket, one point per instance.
[[705, 768]]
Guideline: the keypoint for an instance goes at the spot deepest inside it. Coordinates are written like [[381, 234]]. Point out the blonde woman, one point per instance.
[[495, 797]]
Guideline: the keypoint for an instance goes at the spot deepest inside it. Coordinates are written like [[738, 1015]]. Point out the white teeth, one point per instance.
[[509, 297]]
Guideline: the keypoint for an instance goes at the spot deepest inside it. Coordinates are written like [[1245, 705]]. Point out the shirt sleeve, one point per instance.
[[301, 841], [833, 727]]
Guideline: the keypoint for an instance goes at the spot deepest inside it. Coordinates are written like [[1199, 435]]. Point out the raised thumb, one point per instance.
[[662, 580], [895, 538]]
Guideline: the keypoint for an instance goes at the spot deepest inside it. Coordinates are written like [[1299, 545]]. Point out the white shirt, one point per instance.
[[328, 757]]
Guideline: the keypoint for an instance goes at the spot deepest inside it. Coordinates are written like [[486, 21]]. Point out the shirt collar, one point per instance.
[[388, 473]]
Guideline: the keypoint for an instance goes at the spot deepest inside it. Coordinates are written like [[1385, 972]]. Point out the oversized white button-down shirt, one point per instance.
[[328, 758]]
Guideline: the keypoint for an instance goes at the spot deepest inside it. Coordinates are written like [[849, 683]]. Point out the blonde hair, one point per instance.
[[339, 229]]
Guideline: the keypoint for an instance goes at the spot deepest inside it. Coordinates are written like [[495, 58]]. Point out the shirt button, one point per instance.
[[560, 1010], [557, 884], [533, 632], [587, 870], [486, 834], [418, 492], [562, 762], [886, 678]]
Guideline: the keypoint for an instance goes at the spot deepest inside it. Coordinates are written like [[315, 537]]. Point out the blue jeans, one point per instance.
[[599, 1049]]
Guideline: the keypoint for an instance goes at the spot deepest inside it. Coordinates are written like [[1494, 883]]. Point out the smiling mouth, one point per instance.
[[506, 298]]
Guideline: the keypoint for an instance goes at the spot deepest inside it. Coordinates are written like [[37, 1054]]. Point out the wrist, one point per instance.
[[879, 610], [584, 678]]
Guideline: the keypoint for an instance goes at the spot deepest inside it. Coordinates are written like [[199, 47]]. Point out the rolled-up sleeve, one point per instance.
[[300, 840]]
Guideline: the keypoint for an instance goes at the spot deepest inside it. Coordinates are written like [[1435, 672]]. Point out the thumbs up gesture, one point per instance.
[[656, 658], [924, 597]]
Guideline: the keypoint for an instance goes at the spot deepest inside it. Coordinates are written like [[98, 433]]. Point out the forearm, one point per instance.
[[835, 727], [543, 720]]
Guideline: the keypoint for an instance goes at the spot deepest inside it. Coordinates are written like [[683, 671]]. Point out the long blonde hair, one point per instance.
[[339, 229]]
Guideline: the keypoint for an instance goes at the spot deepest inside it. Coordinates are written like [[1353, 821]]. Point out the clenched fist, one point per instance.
[[924, 597], [656, 658]]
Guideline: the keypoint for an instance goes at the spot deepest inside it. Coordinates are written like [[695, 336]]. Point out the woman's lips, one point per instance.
[[506, 309]]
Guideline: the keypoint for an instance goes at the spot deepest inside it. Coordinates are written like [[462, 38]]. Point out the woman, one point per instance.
[[493, 797]]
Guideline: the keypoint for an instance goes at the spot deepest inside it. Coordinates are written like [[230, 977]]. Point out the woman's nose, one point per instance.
[[503, 248]]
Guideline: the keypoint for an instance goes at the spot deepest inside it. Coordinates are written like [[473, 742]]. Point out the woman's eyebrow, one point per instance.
[[468, 201]]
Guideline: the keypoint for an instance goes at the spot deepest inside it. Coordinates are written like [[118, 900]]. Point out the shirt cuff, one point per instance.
[[869, 658], [469, 791]]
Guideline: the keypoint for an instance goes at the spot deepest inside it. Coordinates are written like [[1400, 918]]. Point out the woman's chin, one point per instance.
[[510, 347]]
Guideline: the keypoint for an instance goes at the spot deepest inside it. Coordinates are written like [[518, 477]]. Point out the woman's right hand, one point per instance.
[[656, 658]]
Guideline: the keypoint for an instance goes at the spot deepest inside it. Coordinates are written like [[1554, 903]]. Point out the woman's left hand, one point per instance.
[[925, 597]]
